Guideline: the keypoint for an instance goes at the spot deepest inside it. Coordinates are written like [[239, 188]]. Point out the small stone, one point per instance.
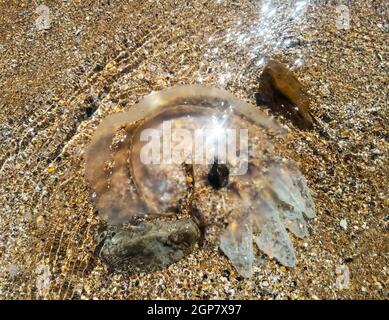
[[343, 224], [40, 222], [343, 277], [13, 271], [51, 169], [226, 274], [43, 22], [189, 180], [148, 246], [89, 111]]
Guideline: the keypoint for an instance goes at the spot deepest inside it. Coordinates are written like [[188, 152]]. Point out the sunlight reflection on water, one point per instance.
[[270, 33]]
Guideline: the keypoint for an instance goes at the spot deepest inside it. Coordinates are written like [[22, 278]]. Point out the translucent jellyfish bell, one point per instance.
[[124, 184]]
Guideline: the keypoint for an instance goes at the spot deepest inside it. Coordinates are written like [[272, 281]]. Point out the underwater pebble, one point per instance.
[[343, 277], [343, 224], [148, 246]]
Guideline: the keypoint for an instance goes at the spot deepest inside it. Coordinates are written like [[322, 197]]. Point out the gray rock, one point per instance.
[[149, 246]]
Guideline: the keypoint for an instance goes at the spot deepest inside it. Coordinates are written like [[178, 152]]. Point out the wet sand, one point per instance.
[[101, 57]]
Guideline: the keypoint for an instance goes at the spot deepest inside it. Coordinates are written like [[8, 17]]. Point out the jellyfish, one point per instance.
[[168, 155]]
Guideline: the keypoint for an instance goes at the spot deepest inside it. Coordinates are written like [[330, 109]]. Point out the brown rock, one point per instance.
[[284, 93]]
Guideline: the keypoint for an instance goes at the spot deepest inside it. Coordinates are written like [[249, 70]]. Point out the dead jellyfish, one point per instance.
[[180, 151]]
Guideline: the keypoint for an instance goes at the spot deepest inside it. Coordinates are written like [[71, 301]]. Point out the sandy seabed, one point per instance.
[[93, 58]]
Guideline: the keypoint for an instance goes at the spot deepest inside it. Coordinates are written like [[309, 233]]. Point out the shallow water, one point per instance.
[[122, 53]]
